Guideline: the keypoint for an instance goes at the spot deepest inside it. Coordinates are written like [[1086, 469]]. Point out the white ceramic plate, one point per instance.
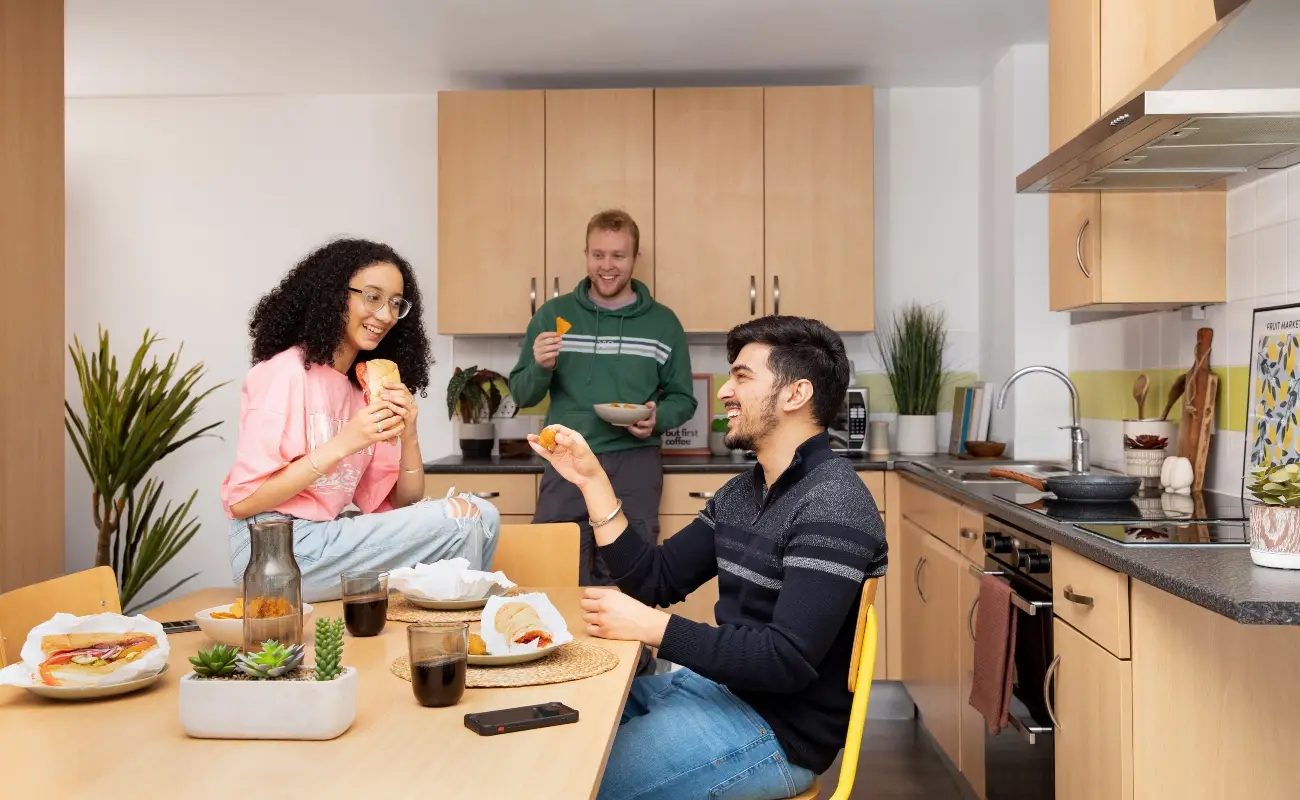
[[95, 692], [513, 658], [454, 605], [231, 631], [621, 415]]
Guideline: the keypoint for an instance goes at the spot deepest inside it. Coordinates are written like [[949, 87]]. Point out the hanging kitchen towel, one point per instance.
[[995, 642]]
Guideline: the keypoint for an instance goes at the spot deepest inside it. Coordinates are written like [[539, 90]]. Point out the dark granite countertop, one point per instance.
[[1221, 578]]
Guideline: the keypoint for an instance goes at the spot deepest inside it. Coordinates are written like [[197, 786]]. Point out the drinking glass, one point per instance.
[[365, 602], [439, 656]]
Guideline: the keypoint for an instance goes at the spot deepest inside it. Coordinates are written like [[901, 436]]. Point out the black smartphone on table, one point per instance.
[[180, 626], [509, 720]]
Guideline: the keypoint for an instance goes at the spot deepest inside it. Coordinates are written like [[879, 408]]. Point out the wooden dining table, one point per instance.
[[133, 745]]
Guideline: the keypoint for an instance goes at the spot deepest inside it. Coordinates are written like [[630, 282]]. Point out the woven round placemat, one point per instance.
[[402, 610], [575, 661]]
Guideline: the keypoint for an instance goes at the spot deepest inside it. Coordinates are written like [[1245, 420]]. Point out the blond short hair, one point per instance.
[[615, 220]]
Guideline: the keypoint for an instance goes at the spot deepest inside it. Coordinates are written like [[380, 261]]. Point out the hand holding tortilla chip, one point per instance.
[[562, 325]]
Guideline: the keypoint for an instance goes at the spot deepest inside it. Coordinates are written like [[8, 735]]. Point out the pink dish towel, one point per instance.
[[995, 644]]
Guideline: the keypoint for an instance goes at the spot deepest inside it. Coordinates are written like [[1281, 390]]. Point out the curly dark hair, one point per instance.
[[310, 308]]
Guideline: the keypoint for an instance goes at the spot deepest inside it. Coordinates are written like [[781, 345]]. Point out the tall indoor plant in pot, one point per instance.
[[911, 349], [1275, 522], [473, 396], [127, 424]]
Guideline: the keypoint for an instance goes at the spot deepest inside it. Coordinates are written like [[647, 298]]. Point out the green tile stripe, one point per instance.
[[881, 393], [1108, 394]]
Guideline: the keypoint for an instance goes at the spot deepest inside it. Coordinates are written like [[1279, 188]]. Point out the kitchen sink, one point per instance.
[[980, 473]]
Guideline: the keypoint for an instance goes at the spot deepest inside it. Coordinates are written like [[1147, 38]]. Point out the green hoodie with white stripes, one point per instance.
[[626, 355]]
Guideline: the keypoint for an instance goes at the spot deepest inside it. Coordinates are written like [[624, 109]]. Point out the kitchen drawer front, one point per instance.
[[935, 513], [1092, 598], [970, 533], [875, 482], [510, 493], [687, 492]]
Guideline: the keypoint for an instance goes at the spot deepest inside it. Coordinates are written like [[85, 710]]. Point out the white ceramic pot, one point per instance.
[[916, 435], [268, 709], [717, 444], [1144, 463], [1275, 536]]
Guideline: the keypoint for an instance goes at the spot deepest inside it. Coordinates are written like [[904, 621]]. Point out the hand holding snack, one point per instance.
[[645, 427], [569, 453], [546, 349]]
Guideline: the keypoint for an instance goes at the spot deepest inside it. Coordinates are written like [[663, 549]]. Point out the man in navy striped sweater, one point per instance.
[[761, 703]]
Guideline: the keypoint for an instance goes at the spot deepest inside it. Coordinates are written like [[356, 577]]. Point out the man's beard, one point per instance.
[[746, 436]]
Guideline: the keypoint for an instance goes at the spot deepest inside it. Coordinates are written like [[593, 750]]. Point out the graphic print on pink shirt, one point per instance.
[[286, 410]]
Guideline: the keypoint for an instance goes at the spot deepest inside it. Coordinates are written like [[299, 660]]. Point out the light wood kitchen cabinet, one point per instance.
[[972, 723], [514, 495], [818, 198], [709, 205], [491, 210], [930, 649], [1113, 250], [599, 155], [1139, 37], [1094, 720]]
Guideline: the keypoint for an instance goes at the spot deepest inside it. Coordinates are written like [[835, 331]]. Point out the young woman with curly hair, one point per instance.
[[309, 444]]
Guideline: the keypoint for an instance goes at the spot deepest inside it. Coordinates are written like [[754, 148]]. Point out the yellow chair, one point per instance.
[[91, 591], [544, 554], [861, 669]]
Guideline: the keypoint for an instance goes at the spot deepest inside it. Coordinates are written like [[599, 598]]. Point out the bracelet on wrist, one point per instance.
[[617, 508], [312, 462]]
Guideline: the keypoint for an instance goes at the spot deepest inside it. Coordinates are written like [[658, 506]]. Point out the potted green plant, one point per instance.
[[911, 350], [1275, 521], [269, 694], [718, 436], [127, 424], [473, 397]]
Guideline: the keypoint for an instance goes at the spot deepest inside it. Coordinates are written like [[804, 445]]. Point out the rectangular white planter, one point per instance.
[[268, 709]]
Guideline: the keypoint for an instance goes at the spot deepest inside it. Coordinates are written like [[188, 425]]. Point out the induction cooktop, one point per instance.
[[1143, 508], [1174, 533]]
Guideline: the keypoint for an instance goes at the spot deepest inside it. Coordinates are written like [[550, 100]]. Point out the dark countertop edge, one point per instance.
[[1129, 559], [452, 465]]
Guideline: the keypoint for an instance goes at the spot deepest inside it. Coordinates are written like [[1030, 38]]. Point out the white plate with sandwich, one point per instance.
[[516, 631], [94, 691], [82, 658]]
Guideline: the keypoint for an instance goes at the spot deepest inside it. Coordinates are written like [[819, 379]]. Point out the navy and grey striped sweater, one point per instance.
[[790, 562]]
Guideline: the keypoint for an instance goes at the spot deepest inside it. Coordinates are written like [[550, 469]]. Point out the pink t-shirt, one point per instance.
[[285, 411]]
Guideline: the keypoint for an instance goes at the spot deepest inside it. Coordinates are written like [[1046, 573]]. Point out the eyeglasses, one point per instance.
[[374, 299]]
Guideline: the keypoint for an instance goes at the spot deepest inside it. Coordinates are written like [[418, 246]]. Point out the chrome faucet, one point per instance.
[[1079, 461]]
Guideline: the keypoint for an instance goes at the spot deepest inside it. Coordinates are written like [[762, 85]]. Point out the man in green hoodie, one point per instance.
[[623, 347]]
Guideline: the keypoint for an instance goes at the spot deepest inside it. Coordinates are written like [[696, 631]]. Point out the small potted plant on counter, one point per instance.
[[1275, 522], [473, 397], [911, 349], [269, 694]]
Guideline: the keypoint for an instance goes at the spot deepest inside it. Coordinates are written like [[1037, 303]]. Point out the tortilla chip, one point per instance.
[[562, 325]]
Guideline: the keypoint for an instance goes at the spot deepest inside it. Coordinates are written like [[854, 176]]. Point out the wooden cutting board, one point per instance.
[[1198, 409]]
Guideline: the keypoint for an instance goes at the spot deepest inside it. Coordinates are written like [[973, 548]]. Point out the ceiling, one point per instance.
[[183, 47]]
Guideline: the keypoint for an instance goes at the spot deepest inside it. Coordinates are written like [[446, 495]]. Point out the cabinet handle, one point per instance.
[[1078, 248], [970, 618], [916, 578], [532, 296], [753, 296], [1081, 599], [1047, 686], [556, 291], [776, 295], [969, 534], [702, 495], [486, 495]]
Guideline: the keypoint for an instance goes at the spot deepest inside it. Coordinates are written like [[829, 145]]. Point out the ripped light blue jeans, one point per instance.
[[423, 532]]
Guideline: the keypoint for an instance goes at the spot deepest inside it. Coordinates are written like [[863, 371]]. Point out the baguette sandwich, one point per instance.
[[86, 658], [372, 374], [520, 624]]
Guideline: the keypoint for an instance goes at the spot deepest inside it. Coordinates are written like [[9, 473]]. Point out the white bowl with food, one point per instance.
[[230, 631], [622, 414]]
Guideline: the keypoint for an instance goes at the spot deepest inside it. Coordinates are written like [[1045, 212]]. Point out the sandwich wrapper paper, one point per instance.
[[27, 671], [495, 640], [450, 579]]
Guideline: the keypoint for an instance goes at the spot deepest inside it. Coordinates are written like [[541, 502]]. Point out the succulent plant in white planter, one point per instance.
[[1275, 522], [269, 694]]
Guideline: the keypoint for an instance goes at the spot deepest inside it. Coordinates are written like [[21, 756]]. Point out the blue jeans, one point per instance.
[[423, 532], [685, 737]]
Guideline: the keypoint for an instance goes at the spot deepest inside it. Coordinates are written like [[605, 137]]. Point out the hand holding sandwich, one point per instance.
[[610, 614]]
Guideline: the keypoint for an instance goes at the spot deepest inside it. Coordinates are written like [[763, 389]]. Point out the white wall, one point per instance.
[[182, 211]]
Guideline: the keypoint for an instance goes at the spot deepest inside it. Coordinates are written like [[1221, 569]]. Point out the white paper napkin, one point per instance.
[[495, 641], [450, 579], [27, 671]]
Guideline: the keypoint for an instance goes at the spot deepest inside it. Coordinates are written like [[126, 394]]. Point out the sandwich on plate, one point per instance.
[[521, 624], [86, 658]]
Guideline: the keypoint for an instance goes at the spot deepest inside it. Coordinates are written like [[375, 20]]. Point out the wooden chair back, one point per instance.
[[91, 591], [544, 554], [860, 633]]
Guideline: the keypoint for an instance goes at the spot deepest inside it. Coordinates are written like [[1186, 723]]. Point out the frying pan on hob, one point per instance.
[[1086, 486]]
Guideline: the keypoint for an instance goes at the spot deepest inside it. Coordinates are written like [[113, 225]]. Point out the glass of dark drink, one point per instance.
[[365, 602], [439, 655]]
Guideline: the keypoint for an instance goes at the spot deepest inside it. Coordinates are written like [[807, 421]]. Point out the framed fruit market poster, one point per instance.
[[692, 436], [1273, 402]]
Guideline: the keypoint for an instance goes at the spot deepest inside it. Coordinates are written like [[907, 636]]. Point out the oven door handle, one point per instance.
[[1030, 732], [1030, 607]]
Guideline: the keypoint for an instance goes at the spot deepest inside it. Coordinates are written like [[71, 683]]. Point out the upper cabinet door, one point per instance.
[[709, 205], [818, 221], [1142, 37], [491, 211], [1074, 67], [599, 155]]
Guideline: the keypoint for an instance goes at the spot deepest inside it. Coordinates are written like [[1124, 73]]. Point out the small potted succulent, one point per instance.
[[1275, 522], [718, 436], [1144, 454], [269, 693]]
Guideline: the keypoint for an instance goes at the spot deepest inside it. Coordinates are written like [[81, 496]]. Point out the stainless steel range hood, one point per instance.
[[1231, 112]]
